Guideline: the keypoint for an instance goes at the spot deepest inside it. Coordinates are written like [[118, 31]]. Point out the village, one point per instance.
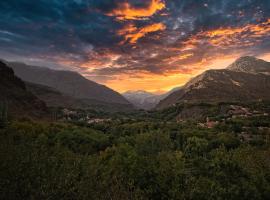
[[247, 133], [234, 112]]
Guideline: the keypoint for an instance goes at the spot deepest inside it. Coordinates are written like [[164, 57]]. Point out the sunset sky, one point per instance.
[[152, 45]]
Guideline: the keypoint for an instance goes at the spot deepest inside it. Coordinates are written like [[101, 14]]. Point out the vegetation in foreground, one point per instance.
[[134, 159]]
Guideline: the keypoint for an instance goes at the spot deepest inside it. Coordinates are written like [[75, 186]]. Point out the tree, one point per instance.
[[195, 147]]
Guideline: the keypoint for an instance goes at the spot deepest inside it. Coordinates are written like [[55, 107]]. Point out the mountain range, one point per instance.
[[247, 79], [68, 88], [31, 88]]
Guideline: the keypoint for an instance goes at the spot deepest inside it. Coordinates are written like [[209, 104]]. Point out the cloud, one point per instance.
[[118, 41], [191, 55], [125, 11], [237, 37], [177, 58], [133, 34]]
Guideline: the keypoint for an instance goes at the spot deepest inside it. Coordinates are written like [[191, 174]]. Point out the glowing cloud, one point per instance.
[[232, 36], [125, 11], [182, 56], [133, 34]]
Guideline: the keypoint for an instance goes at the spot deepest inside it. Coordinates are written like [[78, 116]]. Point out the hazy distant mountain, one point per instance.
[[146, 100], [247, 79], [142, 99], [70, 84], [14, 95]]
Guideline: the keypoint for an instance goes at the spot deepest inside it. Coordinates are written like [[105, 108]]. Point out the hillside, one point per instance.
[[70, 84], [54, 98], [247, 79], [15, 96], [67, 82]]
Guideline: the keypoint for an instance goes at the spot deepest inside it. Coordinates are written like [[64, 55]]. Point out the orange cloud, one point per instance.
[[185, 56], [153, 82], [130, 28], [125, 11], [232, 36], [182, 56], [98, 60], [178, 63], [133, 34]]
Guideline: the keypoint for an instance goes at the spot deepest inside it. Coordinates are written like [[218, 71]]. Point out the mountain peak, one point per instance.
[[142, 99], [247, 79], [246, 58], [250, 64]]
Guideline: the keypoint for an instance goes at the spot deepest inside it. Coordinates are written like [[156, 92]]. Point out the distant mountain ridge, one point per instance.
[[247, 79], [71, 85], [142, 99], [146, 100]]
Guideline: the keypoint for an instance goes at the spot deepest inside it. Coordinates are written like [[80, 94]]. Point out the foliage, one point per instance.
[[131, 159]]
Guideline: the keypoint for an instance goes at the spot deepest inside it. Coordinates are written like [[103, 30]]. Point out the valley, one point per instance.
[[134, 100], [61, 145]]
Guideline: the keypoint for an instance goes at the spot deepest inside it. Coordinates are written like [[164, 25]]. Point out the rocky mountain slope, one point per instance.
[[247, 79], [70, 84], [249, 64], [15, 96]]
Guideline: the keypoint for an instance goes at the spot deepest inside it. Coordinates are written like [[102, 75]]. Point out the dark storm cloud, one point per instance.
[[112, 37], [58, 23]]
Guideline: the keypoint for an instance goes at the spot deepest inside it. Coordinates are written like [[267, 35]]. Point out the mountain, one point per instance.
[[249, 64], [142, 99], [247, 79], [54, 98], [15, 96], [146, 100], [70, 84]]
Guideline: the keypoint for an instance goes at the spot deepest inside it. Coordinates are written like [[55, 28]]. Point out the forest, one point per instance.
[[134, 99], [143, 157]]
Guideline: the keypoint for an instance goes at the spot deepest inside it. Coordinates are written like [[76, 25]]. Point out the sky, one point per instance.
[[152, 45]]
